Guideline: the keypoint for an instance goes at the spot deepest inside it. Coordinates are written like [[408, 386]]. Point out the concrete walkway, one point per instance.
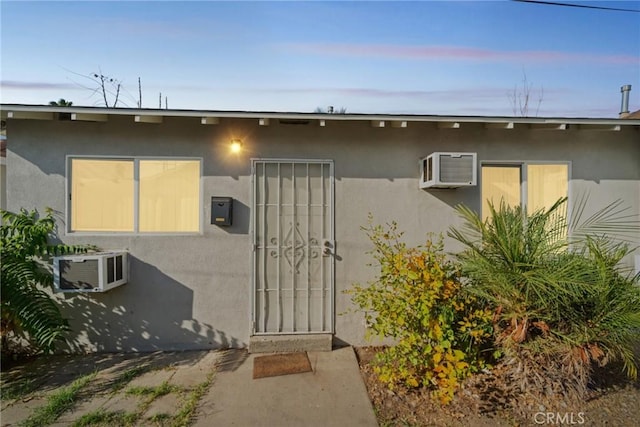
[[332, 395]]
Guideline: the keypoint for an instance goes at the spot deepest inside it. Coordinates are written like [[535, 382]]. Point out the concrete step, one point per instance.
[[290, 343]]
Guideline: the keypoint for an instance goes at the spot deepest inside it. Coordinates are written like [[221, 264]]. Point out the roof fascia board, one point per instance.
[[210, 116]]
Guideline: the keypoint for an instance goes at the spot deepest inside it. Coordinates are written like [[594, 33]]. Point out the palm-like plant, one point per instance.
[[61, 103], [28, 311], [556, 284]]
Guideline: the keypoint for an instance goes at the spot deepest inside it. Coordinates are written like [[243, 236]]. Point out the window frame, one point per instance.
[[136, 195], [522, 164]]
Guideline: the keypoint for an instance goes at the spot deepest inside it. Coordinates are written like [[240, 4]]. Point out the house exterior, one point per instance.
[[227, 248]]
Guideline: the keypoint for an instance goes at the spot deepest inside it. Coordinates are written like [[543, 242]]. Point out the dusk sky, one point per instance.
[[421, 57]]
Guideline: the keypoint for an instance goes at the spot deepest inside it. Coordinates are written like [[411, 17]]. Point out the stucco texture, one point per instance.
[[194, 291]]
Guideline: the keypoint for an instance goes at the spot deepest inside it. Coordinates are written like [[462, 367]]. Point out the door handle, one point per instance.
[[327, 247]]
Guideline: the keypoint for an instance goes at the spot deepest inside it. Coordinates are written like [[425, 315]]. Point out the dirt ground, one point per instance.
[[615, 402]]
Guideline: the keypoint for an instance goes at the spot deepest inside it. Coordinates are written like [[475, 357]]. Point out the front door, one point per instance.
[[293, 246]]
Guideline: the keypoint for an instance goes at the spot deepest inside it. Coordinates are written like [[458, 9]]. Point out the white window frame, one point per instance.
[[524, 178], [136, 192]]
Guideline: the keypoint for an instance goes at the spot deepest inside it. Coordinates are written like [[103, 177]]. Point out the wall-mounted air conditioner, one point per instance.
[[91, 272], [448, 170]]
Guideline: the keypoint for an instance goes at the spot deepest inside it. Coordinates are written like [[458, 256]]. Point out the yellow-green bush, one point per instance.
[[417, 299]]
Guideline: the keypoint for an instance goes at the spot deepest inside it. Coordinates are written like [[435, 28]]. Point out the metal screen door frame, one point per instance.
[[286, 246]]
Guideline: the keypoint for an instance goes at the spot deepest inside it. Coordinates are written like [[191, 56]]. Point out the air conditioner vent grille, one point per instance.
[[79, 275], [456, 169]]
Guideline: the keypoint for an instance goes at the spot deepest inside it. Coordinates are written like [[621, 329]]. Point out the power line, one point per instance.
[[584, 6]]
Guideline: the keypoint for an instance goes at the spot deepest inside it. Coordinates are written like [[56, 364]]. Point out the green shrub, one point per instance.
[[417, 300], [564, 305], [28, 311]]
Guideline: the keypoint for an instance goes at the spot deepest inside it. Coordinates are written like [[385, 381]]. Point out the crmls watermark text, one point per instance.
[[558, 418]]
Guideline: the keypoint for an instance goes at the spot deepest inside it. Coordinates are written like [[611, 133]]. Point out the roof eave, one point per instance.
[[45, 112]]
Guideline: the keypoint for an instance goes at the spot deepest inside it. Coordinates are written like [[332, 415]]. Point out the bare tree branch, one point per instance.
[[521, 97], [115, 102]]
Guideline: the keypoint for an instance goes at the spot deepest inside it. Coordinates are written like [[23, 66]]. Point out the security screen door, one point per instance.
[[293, 246]]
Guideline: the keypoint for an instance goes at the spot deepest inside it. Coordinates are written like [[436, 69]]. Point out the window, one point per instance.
[[534, 185], [135, 195]]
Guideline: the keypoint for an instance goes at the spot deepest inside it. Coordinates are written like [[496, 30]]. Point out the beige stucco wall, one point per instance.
[[194, 291]]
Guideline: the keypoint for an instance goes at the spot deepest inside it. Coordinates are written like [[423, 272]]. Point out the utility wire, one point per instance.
[[584, 6]]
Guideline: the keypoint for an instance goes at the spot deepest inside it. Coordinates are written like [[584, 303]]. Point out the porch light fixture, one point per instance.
[[236, 146]]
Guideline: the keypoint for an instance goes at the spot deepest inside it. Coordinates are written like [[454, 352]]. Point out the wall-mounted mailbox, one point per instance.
[[221, 210]]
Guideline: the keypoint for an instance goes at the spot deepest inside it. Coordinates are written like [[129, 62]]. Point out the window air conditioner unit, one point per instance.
[[92, 272], [448, 170]]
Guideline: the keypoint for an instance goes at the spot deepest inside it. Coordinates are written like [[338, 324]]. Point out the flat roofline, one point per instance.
[[7, 109]]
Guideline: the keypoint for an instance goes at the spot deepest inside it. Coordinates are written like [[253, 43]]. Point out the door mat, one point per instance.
[[281, 364]]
